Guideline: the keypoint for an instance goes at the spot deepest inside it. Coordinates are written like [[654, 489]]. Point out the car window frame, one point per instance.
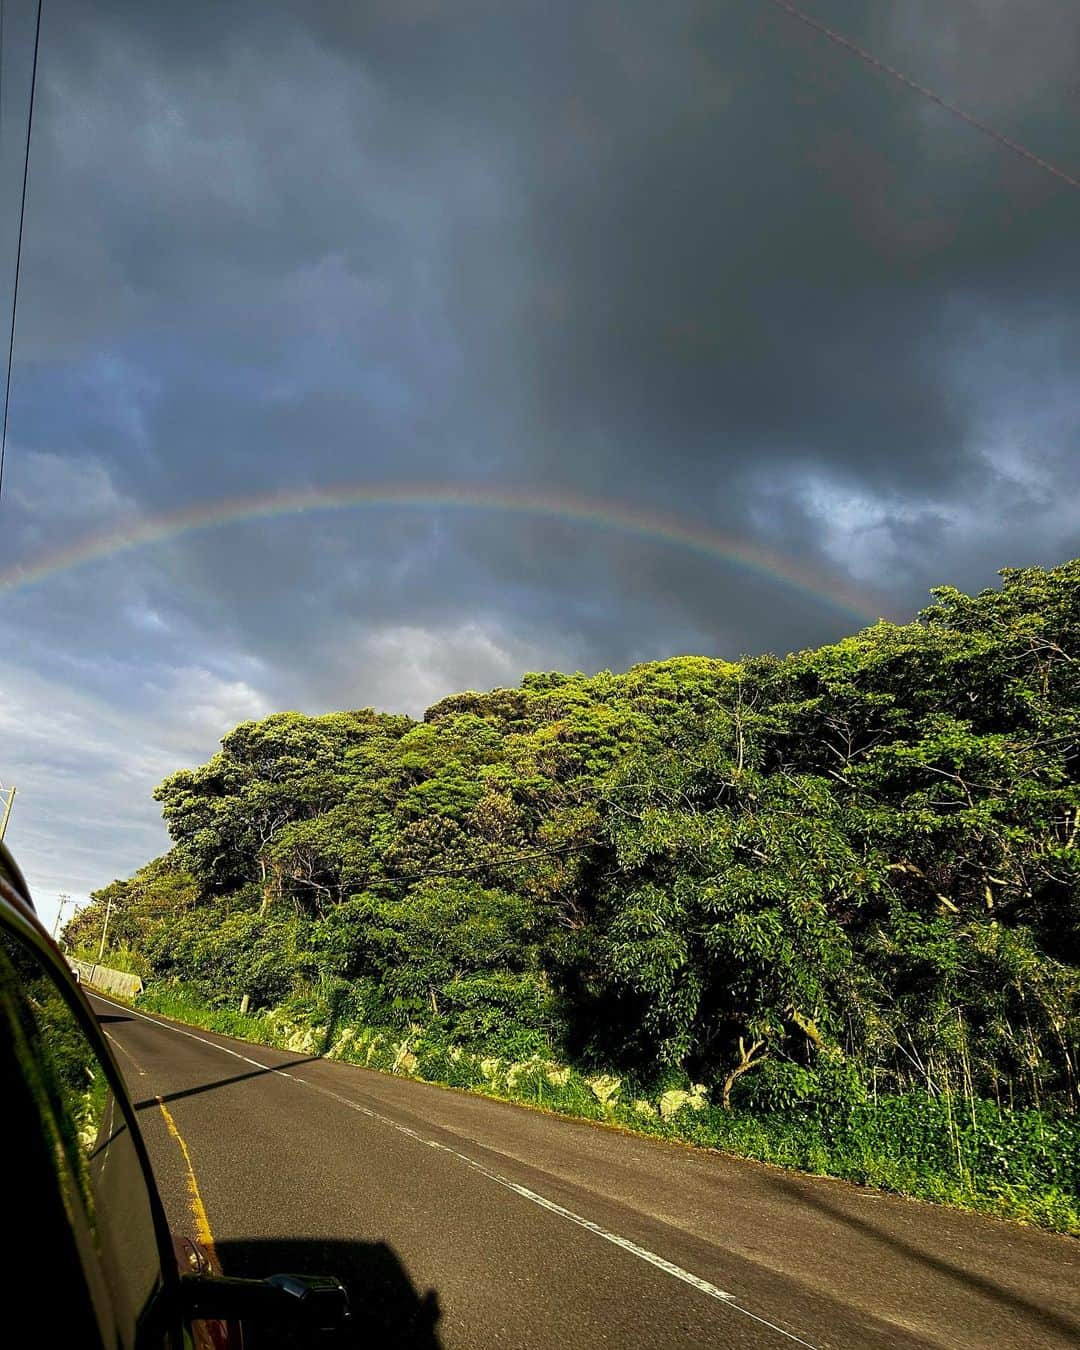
[[19, 920]]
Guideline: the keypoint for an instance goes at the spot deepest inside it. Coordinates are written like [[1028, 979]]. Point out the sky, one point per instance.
[[620, 331]]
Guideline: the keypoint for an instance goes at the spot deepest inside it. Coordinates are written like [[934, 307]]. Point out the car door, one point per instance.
[[88, 1259]]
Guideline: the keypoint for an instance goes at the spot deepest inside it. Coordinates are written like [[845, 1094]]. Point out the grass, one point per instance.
[[117, 958], [184, 1006], [1017, 1165]]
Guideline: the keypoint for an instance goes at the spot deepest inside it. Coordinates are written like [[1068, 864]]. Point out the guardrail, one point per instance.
[[106, 979]]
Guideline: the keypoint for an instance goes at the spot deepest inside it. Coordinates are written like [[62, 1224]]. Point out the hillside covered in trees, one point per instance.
[[812, 884]]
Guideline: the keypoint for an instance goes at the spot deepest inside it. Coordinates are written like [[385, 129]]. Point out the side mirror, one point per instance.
[[315, 1302]]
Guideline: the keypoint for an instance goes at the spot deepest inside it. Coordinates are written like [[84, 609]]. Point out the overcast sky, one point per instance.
[[688, 259]]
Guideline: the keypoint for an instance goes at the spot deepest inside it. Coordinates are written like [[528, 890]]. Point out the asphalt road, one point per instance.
[[458, 1221]]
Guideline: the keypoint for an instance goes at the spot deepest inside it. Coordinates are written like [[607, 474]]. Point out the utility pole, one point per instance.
[[61, 900], [104, 930], [9, 793]]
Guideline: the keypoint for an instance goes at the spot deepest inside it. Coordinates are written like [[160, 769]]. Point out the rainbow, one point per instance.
[[596, 512]]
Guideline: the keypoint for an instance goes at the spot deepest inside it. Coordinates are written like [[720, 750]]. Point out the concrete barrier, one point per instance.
[[106, 979]]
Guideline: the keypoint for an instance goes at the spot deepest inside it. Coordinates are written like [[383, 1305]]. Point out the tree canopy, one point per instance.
[[789, 877]]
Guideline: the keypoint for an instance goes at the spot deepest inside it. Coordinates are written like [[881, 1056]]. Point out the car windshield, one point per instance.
[[540, 556]]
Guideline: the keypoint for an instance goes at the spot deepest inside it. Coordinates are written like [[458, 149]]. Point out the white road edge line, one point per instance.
[[126, 1051], [643, 1253]]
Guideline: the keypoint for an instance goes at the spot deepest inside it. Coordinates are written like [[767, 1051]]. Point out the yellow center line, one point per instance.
[[202, 1224]]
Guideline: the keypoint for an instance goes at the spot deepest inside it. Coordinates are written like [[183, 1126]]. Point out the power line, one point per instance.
[[409, 878], [18, 247], [470, 869], [507, 860], [871, 60]]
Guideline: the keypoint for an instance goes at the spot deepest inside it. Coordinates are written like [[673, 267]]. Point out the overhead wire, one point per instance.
[[506, 860], [19, 244], [1006, 142]]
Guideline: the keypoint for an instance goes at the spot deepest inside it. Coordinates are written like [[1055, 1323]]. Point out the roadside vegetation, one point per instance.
[[819, 910]]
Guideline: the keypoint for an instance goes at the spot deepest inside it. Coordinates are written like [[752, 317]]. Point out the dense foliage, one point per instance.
[[821, 880]]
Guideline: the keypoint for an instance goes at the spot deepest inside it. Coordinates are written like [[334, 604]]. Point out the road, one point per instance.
[[461, 1222]]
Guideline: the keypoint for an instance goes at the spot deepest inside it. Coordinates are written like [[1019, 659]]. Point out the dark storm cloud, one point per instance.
[[676, 246], [692, 258], [725, 238]]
